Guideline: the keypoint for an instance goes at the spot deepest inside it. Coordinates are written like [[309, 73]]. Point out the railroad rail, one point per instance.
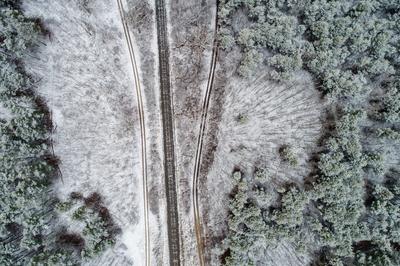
[[168, 134]]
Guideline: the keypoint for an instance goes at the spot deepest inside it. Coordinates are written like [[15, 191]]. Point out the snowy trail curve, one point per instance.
[[199, 148], [142, 131]]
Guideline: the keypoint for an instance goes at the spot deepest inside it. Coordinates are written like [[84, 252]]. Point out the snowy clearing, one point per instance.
[[273, 115], [84, 74]]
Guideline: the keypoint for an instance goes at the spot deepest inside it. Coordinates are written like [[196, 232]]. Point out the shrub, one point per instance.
[[17, 31], [245, 218], [344, 83], [251, 59], [287, 154], [388, 133], [79, 214], [226, 40], [375, 161], [97, 236], [390, 104], [241, 119], [284, 65], [261, 175], [53, 257], [291, 211], [63, 206], [140, 16], [246, 38]]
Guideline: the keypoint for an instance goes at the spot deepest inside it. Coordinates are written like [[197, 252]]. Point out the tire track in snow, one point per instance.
[[142, 130], [199, 148]]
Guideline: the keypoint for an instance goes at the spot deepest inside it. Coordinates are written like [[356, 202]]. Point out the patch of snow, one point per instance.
[[5, 113], [133, 238]]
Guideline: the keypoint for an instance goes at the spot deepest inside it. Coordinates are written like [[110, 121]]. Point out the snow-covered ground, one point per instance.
[[83, 71], [141, 19], [85, 75], [274, 115], [191, 35]]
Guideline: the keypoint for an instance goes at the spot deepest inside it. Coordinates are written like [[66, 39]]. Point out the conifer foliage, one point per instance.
[[351, 48], [343, 44], [26, 165], [28, 234]]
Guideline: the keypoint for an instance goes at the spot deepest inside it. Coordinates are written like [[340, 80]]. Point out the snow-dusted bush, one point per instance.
[[98, 231], [140, 15], [250, 61], [254, 225], [226, 39], [388, 133], [288, 155], [284, 65], [52, 257], [262, 175], [17, 31], [389, 110], [338, 83], [244, 216], [241, 118]]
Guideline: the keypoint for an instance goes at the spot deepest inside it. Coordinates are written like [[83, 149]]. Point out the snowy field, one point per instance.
[[83, 71], [273, 115]]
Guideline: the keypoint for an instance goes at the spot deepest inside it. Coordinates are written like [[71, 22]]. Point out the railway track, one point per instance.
[[142, 129], [199, 148], [168, 134]]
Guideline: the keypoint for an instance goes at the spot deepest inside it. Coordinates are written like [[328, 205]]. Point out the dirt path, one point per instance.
[[199, 148], [142, 131]]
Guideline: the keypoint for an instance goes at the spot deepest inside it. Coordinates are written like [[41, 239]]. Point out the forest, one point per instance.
[[346, 212], [33, 221]]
